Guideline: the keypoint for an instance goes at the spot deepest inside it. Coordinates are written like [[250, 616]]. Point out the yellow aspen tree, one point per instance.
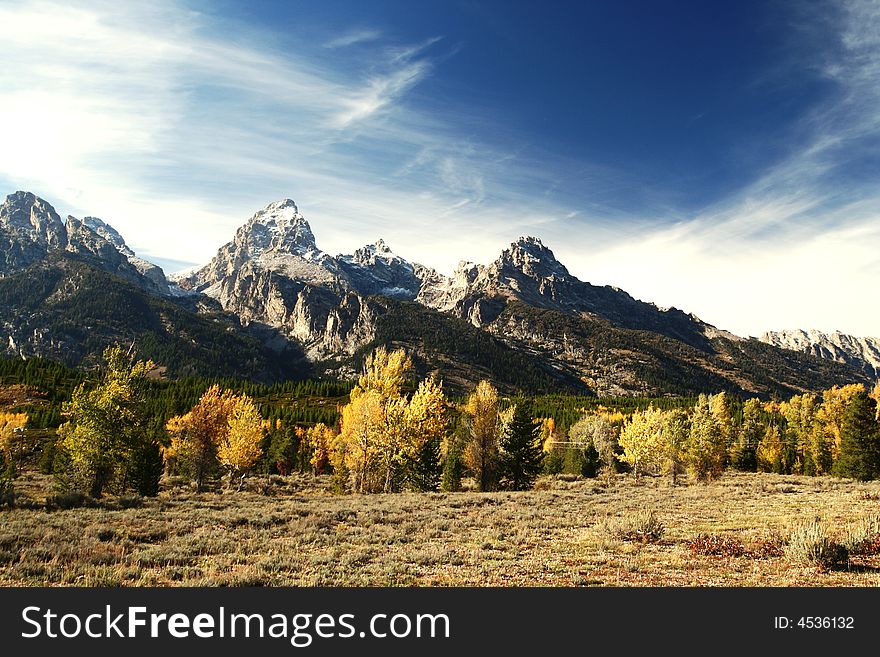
[[358, 441], [426, 424], [320, 439], [385, 372], [771, 451], [642, 441], [481, 451], [194, 436], [719, 406], [239, 445], [11, 437]]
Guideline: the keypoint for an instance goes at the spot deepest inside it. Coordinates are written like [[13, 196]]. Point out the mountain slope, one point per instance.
[[862, 353], [31, 230], [564, 332], [65, 307], [523, 321]]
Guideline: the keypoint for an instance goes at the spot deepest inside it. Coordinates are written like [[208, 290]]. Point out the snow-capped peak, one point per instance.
[[279, 227], [109, 233], [530, 256]]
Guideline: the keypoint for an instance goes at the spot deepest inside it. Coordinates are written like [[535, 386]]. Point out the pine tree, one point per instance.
[[424, 472], [145, 469], [751, 430], [522, 455], [859, 440], [452, 465]]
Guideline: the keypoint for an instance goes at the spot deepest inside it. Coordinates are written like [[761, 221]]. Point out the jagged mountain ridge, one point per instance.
[[523, 320], [596, 337], [31, 230], [863, 353], [264, 271], [66, 308]]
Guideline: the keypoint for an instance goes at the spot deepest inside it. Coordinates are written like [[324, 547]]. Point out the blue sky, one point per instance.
[[721, 158]]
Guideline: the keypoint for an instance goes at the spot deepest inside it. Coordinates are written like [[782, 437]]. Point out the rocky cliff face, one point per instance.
[[598, 337], [863, 353], [523, 320], [30, 230], [273, 272], [528, 272], [148, 270]]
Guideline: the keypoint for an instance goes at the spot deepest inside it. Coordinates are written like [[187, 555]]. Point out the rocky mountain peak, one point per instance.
[[109, 233], [862, 352], [31, 218], [277, 227], [372, 253], [529, 256]]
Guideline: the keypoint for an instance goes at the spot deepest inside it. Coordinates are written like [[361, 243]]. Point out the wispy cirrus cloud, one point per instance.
[[800, 246], [352, 38], [135, 110], [148, 115]]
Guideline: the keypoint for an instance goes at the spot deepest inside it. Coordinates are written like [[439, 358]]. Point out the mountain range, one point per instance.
[[271, 304], [863, 353]]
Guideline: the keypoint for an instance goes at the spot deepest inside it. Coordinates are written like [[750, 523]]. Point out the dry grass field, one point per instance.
[[563, 534]]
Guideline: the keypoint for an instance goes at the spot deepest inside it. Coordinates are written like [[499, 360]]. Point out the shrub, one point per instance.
[[811, 545], [7, 488], [716, 545], [643, 527], [70, 500], [767, 548], [863, 538]]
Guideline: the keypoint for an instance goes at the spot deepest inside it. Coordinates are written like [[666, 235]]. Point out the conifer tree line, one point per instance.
[[396, 433]]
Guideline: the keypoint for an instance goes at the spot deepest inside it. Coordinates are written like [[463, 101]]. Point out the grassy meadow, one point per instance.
[[567, 532]]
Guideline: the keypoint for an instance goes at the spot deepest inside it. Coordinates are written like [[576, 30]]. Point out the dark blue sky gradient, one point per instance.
[[692, 99]]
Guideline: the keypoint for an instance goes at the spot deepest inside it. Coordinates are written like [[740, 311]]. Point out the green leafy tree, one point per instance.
[[108, 423], [7, 489], [676, 431], [596, 436], [522, 455], [749, 434], [706, 450], [283, 449]]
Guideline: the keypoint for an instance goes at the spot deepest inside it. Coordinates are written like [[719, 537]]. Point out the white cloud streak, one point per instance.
[[353, 38], [799, 247], [150, 116]]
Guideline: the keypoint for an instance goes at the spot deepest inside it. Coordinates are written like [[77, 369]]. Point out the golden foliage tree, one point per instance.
[[11, 431], [643, 442], [319, 439], [481, 452], [771, 451], [706, 450], [238, 446], [384, 435], [221, 429]]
